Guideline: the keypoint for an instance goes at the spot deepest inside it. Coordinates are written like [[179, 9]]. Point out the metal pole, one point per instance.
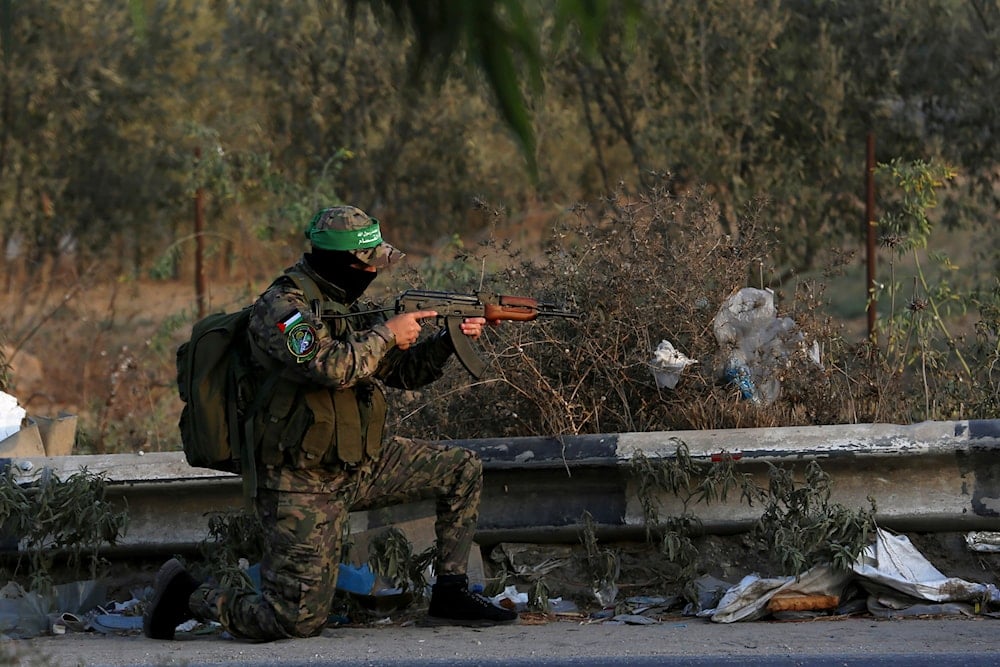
[[870, 234]]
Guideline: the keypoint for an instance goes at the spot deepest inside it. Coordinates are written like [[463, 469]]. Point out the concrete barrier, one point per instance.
[[932, 476]]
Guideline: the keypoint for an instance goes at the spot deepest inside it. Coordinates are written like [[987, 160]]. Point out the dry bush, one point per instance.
[[643, 268]]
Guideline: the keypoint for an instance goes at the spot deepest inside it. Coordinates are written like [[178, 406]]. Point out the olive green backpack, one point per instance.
[[209, 368]]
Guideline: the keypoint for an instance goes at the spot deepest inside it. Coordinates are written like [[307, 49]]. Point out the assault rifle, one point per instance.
[[453, 308]]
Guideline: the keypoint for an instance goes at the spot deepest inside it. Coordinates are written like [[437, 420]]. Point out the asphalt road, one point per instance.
[[940, 642]]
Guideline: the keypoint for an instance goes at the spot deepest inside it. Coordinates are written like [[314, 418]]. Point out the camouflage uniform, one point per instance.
[[313, 469]]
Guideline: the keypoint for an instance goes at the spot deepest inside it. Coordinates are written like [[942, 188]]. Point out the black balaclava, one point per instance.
[[335, 266]]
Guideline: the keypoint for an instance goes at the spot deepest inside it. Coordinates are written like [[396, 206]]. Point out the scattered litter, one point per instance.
[[561, 606], [558, 565], [606, 593], [11, 415], [877, 608], [118, 623], [651, 606], [384, 601], [72, 622], [510, 598], [890, 579], [602, 614], [353, 579], [749, 599], [710, 591], [852, 606], [667, 365], [23, 435], [56, 625], [755, 342], [894, 562], [123, 607], [25, 614], [983, 541], [893, 577]]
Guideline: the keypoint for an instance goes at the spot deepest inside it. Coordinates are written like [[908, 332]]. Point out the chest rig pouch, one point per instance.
[[306, 426]]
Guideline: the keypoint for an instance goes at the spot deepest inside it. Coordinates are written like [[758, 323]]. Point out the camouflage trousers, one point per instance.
[[303, 534]]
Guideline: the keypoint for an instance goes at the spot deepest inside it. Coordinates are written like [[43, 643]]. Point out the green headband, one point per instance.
[[345, 239]]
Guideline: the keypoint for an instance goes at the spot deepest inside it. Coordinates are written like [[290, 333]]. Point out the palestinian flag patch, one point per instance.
[[301, 339], [292, 320]]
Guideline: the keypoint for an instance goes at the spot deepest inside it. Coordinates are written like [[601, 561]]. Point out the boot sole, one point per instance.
[[164, 577]]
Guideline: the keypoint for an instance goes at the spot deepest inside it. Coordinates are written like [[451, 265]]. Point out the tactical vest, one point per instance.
[[307, 426]]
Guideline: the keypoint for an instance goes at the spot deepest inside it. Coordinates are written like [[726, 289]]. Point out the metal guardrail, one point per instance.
[[932, 476]]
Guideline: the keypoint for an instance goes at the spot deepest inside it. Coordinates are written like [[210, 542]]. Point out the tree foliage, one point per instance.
[[413, 109]]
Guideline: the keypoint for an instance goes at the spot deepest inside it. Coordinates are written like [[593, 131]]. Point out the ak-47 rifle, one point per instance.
[[453, 308]]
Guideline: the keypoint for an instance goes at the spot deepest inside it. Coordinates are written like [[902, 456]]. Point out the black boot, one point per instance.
[[169, 607], [451, 599]]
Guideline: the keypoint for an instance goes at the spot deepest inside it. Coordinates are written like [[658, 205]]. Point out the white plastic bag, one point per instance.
[[754, 342], [11, 416], [667, 364]]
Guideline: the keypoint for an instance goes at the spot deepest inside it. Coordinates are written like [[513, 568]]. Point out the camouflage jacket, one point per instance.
[[321, 366]]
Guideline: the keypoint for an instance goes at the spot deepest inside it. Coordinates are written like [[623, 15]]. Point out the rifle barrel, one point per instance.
[[552, 310]]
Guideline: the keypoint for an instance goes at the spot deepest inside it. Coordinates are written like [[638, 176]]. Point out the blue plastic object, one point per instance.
[[352, 579]]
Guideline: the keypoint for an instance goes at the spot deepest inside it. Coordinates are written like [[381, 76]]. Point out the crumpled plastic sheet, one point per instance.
[[893, 562], [755, 342], [513, 597], [984, 541], [887, 606], [25, 614]]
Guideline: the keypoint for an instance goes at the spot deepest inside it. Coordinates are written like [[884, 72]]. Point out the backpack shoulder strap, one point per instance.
[[320, 304]]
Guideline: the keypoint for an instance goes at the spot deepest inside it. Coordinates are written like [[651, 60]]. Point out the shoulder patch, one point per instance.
[[301, 340]]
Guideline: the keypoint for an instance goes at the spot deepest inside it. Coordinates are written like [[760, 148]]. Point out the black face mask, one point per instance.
[[335, 266]]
